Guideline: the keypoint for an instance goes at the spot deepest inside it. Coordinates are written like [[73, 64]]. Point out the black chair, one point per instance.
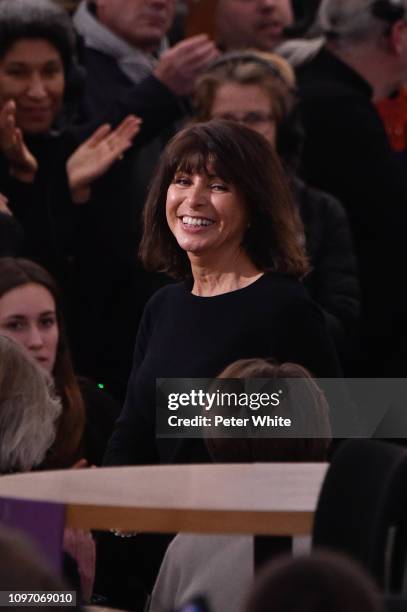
[[362, 508], [395, 604]]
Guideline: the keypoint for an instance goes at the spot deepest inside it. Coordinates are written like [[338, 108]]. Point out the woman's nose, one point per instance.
[[34, 338], [36, 88], [198, 195]]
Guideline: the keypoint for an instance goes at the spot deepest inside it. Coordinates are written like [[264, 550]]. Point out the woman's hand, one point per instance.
[[96, 155], [81, 546], [23, 165]]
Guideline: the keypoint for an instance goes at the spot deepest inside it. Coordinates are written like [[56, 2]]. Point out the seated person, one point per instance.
[[22, 568], [221, 566], [31, 314], [29, 414], [324, 581], [29, 410]]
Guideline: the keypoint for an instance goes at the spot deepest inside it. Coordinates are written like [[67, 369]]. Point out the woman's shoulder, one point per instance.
[[283, 286], [171, 292], [289, 299]]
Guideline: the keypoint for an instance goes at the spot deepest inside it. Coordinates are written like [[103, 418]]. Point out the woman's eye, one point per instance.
[[16, 72], [49, 322], [182, 180], [219, 187], [14, 325], [52, 71]]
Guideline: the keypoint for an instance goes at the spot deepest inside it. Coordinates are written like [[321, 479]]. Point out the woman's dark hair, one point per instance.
[[37, 19], [66, 449], [325, 581], [302, 401], [243, 158]]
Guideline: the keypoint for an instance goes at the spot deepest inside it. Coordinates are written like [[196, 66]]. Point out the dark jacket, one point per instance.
[[109, 95], [347, 153], [43, 208], [333, 280], [11, 236], [91, 250]]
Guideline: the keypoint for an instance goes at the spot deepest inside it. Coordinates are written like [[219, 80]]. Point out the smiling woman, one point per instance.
[[32, 74], [220, 217]]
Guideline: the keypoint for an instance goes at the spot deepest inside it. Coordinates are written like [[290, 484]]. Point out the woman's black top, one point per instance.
[[185, 336]]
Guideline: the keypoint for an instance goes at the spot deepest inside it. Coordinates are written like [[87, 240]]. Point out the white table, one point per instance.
[[263, 499]]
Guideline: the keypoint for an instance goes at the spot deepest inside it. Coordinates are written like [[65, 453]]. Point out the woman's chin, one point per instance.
[[191, 246]]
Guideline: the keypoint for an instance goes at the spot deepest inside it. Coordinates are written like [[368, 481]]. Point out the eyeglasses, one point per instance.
[[252, 119]]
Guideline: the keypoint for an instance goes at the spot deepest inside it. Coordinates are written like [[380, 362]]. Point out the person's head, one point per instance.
[[317, 583], [22, 567], [254, 88], [252, 23], [219, 185], [28, 410], [31, 314], [37, 45], [379, 26], [302, 401], [141, 23]]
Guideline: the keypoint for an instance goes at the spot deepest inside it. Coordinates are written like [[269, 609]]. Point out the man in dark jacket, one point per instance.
[[347, 153]]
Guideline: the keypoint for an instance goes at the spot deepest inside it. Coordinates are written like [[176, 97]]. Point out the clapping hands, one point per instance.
[[22, 164], [97, 154]]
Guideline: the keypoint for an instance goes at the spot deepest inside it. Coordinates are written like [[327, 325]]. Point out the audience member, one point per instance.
[[241, 24], [324, 581], [42, 172], [124, 44], [221, 566], [30, 313], [348, 154], [393, 111], [258, 90], [29, 410], [22, 568]]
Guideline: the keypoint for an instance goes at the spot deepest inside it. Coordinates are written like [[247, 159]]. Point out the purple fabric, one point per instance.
[[43, 522]]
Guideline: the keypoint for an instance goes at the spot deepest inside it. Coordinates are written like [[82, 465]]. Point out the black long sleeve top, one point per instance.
[[183, 335]]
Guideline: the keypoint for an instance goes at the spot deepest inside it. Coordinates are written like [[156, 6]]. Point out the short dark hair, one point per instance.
[[245, 159], [37, 19], [311, 414], [323, 581]]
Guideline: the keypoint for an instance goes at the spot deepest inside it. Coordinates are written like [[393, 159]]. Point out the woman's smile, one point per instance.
[[196, 224]]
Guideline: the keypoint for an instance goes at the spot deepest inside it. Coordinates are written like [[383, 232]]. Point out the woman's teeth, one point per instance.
[[196, 221]]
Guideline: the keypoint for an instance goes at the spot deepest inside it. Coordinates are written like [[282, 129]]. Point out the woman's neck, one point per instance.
[[217, 277]]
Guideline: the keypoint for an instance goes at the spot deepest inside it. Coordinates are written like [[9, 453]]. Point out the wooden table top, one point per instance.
[[263, 498]]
